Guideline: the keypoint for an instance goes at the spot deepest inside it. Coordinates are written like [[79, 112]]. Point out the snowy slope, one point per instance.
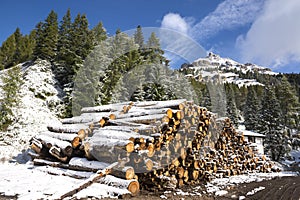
[[215, 68], [38, 95]]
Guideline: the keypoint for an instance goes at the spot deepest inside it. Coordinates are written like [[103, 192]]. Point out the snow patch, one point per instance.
[[255, 190]]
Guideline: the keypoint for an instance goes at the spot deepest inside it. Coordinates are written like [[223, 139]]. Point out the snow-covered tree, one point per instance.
[[47, 38], [12, 82], [289, 103], [138, 37], [251, 110], [277, 142], [231, 108]]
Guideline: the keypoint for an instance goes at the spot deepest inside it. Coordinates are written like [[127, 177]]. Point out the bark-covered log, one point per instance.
[[94, 178]]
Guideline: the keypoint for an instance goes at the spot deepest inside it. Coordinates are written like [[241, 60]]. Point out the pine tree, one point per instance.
[[47, 38], [288, 102], [27, 47], [153, 52], [231, 109], [19, 44], [64, 54], [138, 37], [251, 110], [11, 96], [81, 37], [276, 141], [99, 33], [7, 52], [64, 70], [217, 96]]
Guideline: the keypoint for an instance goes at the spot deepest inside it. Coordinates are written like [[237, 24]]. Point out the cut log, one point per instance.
[[94, 178], [56, 152], [132, 186], [66, 147], [67, 128], [60, 136], [123, 172]]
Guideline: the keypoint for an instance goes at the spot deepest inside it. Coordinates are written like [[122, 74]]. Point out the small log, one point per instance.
[[60, 136], [132, 186], [56, 152], [94, 178], [123, 172], [65, 146], [66, 128]]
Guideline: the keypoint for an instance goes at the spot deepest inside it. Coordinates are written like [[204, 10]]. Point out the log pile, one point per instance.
[[156, 145]]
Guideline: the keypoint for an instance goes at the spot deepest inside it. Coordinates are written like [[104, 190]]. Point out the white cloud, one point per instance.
[[228, 15], [273, 39], [175, 22]]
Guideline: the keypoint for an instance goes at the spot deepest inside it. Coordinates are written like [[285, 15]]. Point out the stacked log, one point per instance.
[[160, 144]]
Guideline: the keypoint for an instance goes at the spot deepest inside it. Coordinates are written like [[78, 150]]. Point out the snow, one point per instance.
[[213, 67], [250, 133], [100, 191], [255, 190], [293, 160], [296, 155], [47, 182], [40, 185], [88, 163], [38, 95], [221, 192]]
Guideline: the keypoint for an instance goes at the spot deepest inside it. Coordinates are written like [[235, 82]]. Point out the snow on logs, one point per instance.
[[161, 144]]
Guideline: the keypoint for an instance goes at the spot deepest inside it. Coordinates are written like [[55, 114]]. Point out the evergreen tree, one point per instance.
[[47, 38], [217, 96], [231, 109], [7, 52], [27, 47], [288, 102], [82, 39], [138, 37], [99, 33], [276, 141], [11, 96], [64, 70], [251, 110], [19, 44], [64, 54], [16, 49], [153, 51]]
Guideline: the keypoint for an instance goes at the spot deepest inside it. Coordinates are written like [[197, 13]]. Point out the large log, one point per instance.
[[66, 147]]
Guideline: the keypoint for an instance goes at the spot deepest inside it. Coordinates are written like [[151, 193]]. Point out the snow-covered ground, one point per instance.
[[38, 94], [40, 182], [222, 186], [213, 68], [294, 159]]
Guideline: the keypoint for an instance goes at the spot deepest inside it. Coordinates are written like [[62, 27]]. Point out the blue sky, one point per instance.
[[259, 31]]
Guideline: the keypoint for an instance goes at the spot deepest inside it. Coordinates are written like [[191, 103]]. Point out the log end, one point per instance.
[[76, 142], [134, 188], [130, 147]]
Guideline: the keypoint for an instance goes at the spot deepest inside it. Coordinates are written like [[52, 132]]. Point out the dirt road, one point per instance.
[[285, 188]]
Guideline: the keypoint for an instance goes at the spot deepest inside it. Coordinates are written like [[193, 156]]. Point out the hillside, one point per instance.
[[225, 70], [40, 104]]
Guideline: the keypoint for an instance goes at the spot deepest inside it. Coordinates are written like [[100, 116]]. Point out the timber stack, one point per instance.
[[153, 145]]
